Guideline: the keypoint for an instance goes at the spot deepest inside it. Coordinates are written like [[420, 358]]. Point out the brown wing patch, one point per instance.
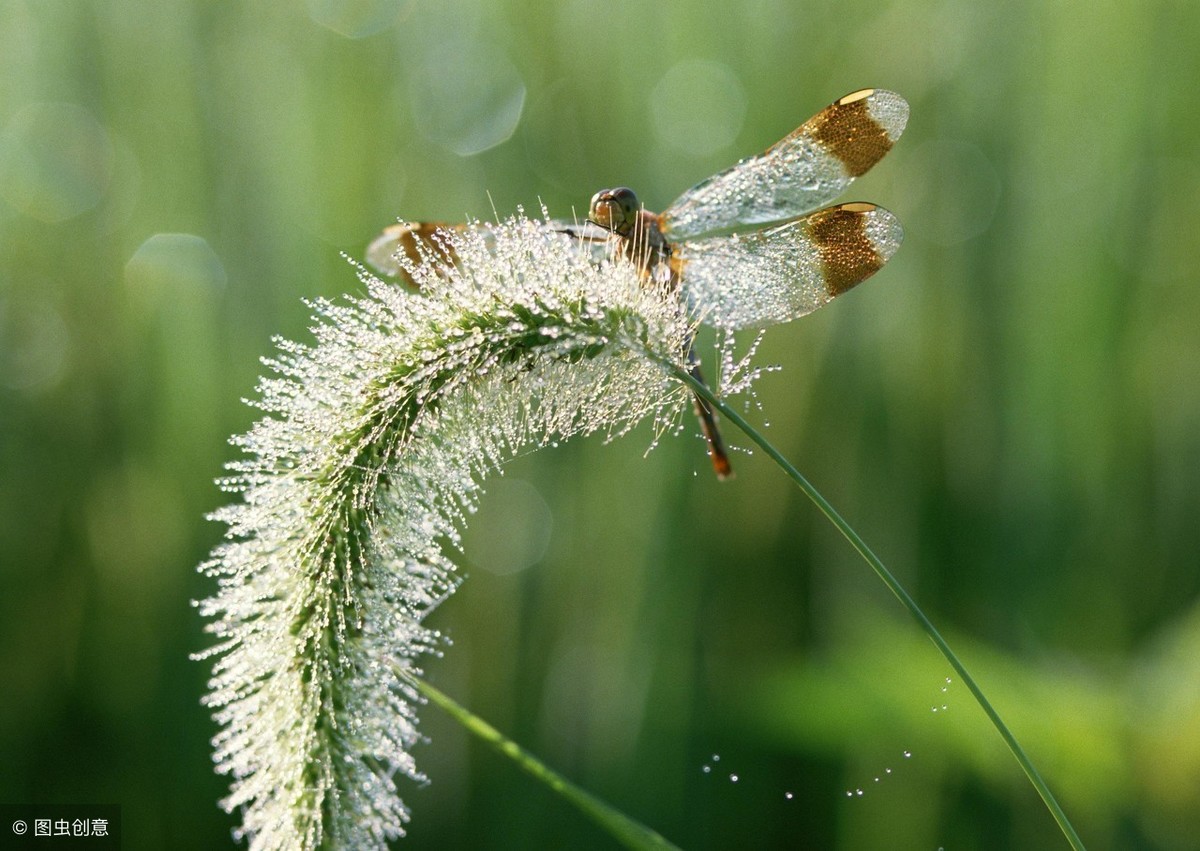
[[848, 254], [851, 133], [418, 243]]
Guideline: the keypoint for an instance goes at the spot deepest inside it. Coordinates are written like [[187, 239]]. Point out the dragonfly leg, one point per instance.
[[708, 424]]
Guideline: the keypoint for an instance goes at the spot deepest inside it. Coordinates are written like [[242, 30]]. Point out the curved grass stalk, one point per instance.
[[625, 830], [897, 589], [362, 471], [367, 464]]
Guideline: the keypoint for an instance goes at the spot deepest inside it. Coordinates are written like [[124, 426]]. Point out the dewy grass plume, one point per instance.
[[363, 467]]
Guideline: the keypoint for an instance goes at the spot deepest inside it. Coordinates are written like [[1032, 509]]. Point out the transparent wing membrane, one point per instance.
[[420, 241], [808, 168], [778, 274]]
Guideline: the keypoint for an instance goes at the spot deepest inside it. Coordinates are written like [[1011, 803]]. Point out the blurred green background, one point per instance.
[[1009, 412]]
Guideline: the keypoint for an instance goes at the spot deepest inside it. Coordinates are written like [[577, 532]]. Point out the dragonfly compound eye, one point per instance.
[[615, 209]]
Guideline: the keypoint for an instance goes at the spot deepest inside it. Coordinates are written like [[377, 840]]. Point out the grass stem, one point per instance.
[[895, 587], [625, 830]]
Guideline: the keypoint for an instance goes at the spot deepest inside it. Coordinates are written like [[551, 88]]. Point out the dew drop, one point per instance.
[[707, 769], [907, 754], [733, 778], [788, 795]]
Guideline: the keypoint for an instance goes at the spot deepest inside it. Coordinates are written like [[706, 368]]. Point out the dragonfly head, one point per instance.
[[615, 209]]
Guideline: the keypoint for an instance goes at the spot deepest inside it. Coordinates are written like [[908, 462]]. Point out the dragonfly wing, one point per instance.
[[597, 243], [421, 242], [585, 231], [808, 168], [416, 242], [778, 274]]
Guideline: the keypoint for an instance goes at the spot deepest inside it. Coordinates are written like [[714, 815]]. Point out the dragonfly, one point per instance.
[[750, 246]]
